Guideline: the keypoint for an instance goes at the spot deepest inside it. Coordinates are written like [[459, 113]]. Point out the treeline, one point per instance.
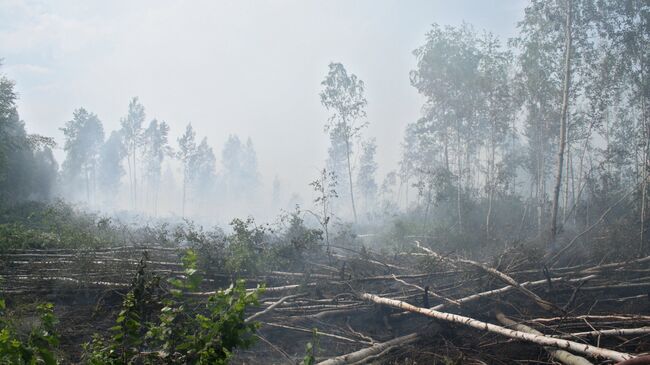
[[525, 138], [96, 165], [28, 169], [138, 156], [558, 120], [544, 133]]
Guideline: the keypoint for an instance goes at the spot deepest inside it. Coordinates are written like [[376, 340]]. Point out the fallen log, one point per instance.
[[438, 307], [370, 351], [592, 317], [589, 350], [497, 274], [559, 355], [641, 360], [610, 332]]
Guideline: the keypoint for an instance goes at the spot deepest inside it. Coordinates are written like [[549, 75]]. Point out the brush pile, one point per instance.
[[353, 306]]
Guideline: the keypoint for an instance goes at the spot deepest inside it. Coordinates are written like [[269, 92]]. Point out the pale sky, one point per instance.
[[251, 68]]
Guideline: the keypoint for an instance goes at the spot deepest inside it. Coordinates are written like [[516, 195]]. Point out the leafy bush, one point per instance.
[[311, 349], [209, 246], [207, 335], [38, 347], [300, 236], [40, 225], [295, 243], [244, 253]]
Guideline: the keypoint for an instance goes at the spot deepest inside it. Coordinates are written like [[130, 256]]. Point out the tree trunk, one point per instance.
[[559, 355], [563, 123], [460, 181], [87, 181], [646, 164], [565, 204], [490, 182], [348, 152], [128, 160], [184, 189], [593, 351], [446, 141], [135, 180]]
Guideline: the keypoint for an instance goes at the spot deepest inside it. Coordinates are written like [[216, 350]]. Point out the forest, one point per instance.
[[513, 230]]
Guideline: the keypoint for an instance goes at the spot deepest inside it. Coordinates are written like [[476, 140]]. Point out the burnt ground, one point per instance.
[[87, 290]]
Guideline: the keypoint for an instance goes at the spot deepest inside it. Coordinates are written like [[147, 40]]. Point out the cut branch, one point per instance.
[[497, 274], [370, 351], [593, 351], [271, 307], [560, 355]]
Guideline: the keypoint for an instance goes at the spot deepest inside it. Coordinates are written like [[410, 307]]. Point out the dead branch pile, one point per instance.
[[420, 306]]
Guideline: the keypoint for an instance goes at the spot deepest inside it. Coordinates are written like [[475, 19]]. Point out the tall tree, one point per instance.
[[110, 172], [240, 174], [625, 28], [556, 44], [325, 190], [563, 119], [27, 166], [155, 149], [84, 136], [497, 111], [337, 164], [447, 74], [185, 154], [343, 96], [132, 134], [203, 172], [366, 182]]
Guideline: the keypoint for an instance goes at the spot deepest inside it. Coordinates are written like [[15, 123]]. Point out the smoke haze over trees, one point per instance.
[[552, 120], [527, 145]]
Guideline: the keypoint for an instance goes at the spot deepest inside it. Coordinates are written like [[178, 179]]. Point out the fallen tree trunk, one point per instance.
[[610, 332], [559, 355], [271, 307], [370, 351], [592, 351], [594, 318], [641, 360], [497, 274], [465, 300]]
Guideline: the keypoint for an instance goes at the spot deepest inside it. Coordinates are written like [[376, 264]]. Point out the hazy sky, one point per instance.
[[251, 68]]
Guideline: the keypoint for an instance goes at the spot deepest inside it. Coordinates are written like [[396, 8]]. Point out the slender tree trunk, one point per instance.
[[565, 204], [563, 123], [128, 160], [135, 180], [541, 174], [184, 190], [490, 182], [446, 141], [348, 152], [94, 182], [460, 181], [406, 202], [646, 160], [87, 181], [426, 212], [155, 197]]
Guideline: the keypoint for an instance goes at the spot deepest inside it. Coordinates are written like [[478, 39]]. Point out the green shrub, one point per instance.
[[209, 246], [58, 224], [311, 349], [246, 246], [38, 347], [206, 334]]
